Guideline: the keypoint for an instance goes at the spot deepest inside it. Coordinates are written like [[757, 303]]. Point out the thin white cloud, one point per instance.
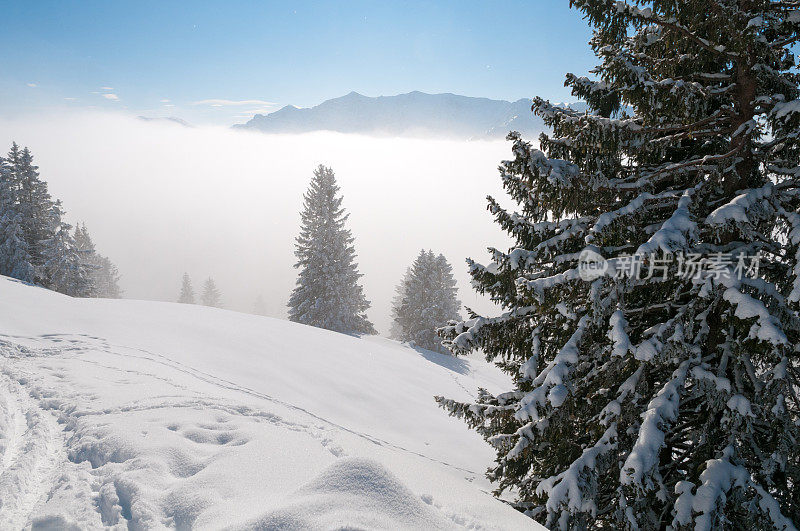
[[165, 101], [225, 103], [32, 85], [106, 88], [70, 99], [112, 97], [169, 105]]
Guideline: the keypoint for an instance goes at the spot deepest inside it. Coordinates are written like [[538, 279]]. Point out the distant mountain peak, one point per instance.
[[416, 114], [166, 119]]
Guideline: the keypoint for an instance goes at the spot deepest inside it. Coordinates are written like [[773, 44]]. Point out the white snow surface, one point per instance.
[[150, 415]]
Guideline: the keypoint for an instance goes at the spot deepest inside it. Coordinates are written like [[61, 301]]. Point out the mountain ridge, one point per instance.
[[414, 114]]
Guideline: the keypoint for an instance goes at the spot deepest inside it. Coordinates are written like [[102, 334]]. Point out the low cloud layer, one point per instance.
[[161, 199]]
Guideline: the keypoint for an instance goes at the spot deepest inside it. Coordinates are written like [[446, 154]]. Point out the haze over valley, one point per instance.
[[160, 199]]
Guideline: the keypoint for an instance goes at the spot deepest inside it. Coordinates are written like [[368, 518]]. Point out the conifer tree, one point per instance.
[[395, 330], [259, 306], [103, 274], [105, 280], [15, 256], [187, 291], [427, 300], [63, 266], [35, 207], [328, 294], [211, 295], [642, 400]]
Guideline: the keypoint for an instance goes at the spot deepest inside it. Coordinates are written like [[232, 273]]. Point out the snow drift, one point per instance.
[[150, 415]]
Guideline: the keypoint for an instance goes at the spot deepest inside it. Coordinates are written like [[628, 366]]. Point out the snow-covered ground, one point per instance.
[[146, 415]]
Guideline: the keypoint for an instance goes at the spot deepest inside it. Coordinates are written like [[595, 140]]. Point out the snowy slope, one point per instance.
[[150, 415]]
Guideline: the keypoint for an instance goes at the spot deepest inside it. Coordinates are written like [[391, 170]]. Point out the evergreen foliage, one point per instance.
[[211, 295], [395, 331], [426, 300], [103, 274], [187, 291], [64, 268], [328, 294], [653, 401], [15, 254], [36, 244], [259, 306]]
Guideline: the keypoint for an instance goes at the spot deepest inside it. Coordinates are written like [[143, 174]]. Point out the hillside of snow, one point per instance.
[[146, 415], [412, 114]]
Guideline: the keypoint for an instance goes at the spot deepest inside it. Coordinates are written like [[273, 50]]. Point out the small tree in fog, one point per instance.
[[259, 306], [427, 299], [395, 330], [211, 295], [328, 294], [187, 291], [103, 274], [63, 266]]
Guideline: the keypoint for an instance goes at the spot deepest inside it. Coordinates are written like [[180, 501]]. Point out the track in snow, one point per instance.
[[32, 450]]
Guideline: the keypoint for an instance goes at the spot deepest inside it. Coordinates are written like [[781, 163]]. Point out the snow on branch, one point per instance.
[[647, 15], [672, 236], [738, 208], [568, 487], [557, 171], [618, 334], [794, 238], [551, 384], [718, 478], [661, 411], [766, 328], [606, 219], [547, 110]]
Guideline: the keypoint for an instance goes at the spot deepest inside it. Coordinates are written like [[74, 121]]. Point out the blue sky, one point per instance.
[[222, 61]]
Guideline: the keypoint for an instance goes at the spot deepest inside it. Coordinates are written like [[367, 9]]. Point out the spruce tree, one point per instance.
[[211, 295], [63, 267], [105, 280], [35, 207], [395, 330], [667, 397], [427, 301], [328, 294], [187, 291], [103, 274], [15, 256]]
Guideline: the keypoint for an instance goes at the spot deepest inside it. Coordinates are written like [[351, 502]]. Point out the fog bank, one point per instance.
[[160, 199]]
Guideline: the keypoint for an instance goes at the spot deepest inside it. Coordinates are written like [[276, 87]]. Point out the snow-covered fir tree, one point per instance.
[[395, 331], [103, 274], [35, 207], [105, 280], [427, 300], [64, 268], [667, 398], [35, 243], [328, 294], [211, 295], [187, 291], [15, 255]]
